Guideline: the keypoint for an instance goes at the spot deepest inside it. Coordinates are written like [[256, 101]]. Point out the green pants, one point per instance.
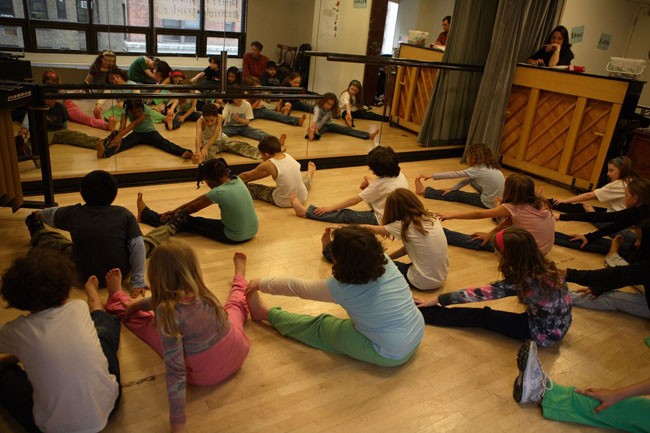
[[564, 404], [331, 334], [73, 138], [233, 146]]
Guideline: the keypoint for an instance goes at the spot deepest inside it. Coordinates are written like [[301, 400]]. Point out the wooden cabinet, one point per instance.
[[640, 152], [559, 125], [413, 87]]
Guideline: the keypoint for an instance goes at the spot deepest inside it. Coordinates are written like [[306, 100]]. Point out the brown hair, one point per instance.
[[174, 273], [480, 154], [358, 255], [625, 168], [403, 205], [520, 189], [641, 189], [329, 96], [521, 261]]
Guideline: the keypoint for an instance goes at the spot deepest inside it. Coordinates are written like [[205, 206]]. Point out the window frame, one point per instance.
[[91, 29]]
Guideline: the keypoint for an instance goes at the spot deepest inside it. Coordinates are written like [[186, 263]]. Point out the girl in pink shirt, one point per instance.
[[520, 207], [200, 341]]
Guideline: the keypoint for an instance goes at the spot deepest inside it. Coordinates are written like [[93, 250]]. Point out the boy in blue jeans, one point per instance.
[[70, 379]]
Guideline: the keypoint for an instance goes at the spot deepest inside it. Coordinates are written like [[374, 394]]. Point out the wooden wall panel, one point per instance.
[[515, 114], [425, 83], [590, 139]]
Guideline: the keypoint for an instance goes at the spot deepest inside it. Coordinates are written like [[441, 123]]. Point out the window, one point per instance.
[[170, 27]]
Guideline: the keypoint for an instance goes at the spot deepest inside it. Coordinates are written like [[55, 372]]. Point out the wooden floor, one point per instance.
[[459, 380]]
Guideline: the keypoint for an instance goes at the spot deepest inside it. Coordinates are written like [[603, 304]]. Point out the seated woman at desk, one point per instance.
[[555, 52]]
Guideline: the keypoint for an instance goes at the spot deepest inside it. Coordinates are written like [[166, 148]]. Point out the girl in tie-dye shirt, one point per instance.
[[528, 275]]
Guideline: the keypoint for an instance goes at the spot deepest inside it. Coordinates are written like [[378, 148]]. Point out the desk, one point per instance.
[[559, 124], [413, 87]]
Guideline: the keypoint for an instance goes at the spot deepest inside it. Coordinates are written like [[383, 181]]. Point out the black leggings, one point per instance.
[[512, 325]]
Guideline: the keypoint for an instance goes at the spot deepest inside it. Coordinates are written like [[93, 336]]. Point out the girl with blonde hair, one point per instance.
[[200, 341]]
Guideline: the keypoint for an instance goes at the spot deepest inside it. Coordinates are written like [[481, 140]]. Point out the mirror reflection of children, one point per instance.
[[201, 342], [141, 70], [209, 141], [384, 328], [293, 80], [69, 380], [98, 72], [484, 175], [237, 115], [266, 109], [351, 105], [324, 110], [209, 75], [140, 130], [533, 279], [180, 110], [621, 408]]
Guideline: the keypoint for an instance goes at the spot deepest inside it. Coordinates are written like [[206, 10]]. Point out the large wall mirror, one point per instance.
[[281, 26]]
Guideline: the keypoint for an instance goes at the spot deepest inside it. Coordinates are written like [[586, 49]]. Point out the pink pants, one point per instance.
[[76, 115], [208, 367]]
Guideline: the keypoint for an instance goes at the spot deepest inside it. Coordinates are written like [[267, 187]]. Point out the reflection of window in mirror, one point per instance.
[[389, 32]]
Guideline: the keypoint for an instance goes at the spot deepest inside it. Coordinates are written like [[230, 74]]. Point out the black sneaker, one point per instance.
[[178, 220], [32, 224]]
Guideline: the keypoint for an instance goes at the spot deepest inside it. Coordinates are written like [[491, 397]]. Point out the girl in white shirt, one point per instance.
[[424, 240], [351, 103], [620, 172]]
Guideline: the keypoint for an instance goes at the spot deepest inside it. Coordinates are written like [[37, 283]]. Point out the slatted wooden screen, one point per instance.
[[11, 193]]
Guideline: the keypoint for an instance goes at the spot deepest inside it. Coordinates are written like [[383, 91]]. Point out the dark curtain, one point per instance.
[[450, 110], [520, 28]]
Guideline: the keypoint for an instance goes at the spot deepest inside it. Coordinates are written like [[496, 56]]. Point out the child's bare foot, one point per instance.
[[588, 207], [348, 123], [282, 139], [327, 237], [616, 245], [141, 206], [419, 186], [311, 169], [298, 207], [100, 148], [114, 280], [301, 121], [286, 109], [187, 154], [92, 292], [112, 123], [196, 158], [310, 134], [240, 259], [259, 310]]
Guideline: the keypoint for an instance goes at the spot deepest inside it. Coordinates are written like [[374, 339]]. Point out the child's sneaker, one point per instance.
[[178, 220], [530, 385], [33, 225]]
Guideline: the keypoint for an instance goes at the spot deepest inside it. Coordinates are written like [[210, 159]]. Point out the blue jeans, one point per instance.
[[459, 196], [466, 241], [276, 116], [16, 392], [152, 138], [599, 246], [366, 115], [344, 216], [244, 131], [206, 227]]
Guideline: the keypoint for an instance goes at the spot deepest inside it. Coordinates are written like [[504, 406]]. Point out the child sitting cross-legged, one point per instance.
[[69, 379]]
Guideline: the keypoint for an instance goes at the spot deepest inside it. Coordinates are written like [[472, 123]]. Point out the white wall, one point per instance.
[[431, 14], [639, 48], [617, 18], [351, 38], [274, 22], [407, 19]]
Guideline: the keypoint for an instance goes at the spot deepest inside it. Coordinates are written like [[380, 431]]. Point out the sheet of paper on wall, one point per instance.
[[577, 33], [604, 41]]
